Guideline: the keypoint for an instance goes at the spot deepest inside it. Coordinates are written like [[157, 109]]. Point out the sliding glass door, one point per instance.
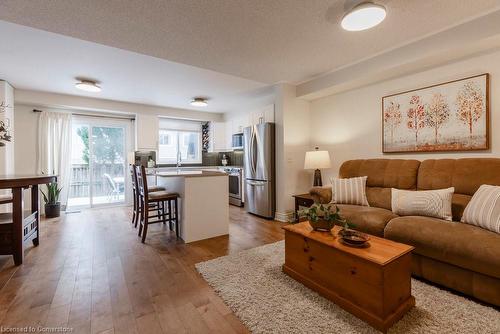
[[99, 162]]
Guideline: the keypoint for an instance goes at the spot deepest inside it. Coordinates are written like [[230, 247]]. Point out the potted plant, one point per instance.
[[51, 199], [322, 217]]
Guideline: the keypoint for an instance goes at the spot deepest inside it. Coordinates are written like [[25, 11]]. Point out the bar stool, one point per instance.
[[158, 198], [136, 211]]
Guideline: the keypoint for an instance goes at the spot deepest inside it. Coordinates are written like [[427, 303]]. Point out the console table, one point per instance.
[[24, 227]]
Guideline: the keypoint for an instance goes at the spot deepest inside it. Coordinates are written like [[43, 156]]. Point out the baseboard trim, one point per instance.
[[285, 217]]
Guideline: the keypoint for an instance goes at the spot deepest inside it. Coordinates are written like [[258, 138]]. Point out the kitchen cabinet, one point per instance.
[[229, 136], [238, 124], [218, 140], [265, 114]]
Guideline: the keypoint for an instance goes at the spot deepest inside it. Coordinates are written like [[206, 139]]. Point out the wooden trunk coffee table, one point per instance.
[[373, 283]]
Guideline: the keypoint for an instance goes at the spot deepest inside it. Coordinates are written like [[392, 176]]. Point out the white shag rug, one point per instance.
[[253, 285]]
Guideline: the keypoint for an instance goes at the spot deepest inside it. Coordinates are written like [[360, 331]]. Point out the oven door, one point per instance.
[[234, 186]]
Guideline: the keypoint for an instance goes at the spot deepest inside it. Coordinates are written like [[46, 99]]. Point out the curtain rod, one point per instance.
[[91, 115]]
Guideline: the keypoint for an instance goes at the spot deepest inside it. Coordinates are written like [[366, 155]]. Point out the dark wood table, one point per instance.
[[20, 232], [302, 200]]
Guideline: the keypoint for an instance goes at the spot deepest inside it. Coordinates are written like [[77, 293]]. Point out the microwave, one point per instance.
[[237, 142]]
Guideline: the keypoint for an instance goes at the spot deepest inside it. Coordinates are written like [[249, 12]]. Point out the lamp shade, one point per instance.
[[317, 160]]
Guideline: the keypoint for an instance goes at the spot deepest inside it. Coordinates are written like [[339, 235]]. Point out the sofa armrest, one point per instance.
[[322, 195]]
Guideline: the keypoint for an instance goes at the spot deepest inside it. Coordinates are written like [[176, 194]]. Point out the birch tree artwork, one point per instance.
[[415, 114], [392, 117], [452, 116], [469, 105], [437, 113]]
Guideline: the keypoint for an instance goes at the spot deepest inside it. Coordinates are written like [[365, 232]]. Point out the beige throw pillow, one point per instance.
[[483, 209], [349, 191], [431, 203]]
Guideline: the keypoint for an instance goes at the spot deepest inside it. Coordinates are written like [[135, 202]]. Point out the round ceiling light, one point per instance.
[[88, 86], [199, 102], [364, 16]]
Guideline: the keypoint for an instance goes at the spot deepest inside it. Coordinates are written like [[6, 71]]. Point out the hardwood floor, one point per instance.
[[91, 273]]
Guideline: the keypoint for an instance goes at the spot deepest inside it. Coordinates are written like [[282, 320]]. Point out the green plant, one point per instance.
[[52, 195], [320, 211], [326, 213]]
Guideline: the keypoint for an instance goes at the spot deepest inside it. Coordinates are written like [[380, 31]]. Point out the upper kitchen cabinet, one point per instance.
[[239, 123], [262, 115], [218, 139]]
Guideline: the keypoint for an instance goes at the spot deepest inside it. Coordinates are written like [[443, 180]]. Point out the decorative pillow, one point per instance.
[[483, 209], [350, 191], [431, 203]]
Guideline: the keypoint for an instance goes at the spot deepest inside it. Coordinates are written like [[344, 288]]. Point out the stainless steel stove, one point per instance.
[[235, 185]]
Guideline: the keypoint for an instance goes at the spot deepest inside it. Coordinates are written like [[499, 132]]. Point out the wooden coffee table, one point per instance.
[[373, 283]]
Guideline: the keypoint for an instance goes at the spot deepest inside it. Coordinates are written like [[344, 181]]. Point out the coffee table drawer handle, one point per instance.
[[353, 271]]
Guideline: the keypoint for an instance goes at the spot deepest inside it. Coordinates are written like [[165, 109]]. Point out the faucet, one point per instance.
[[179, 160]]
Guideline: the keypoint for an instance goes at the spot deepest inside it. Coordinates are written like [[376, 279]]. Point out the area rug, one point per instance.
[[268, 301]]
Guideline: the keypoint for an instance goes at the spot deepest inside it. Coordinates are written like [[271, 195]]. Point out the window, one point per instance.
[[179, 137], [165, 138]]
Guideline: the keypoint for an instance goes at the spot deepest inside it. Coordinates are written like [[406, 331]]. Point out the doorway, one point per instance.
[[99, 174]]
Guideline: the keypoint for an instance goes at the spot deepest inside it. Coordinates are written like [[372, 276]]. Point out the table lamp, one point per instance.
[[317, 160]]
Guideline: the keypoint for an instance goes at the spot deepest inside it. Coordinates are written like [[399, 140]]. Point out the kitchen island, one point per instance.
[[203, 203]]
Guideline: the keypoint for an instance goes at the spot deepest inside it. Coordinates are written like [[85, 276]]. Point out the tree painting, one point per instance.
[[416, 116], [451, 116], [437, 113], [469, 105], [392, 117]]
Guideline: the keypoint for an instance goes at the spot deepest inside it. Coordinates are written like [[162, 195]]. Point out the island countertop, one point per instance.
[[189, 173]]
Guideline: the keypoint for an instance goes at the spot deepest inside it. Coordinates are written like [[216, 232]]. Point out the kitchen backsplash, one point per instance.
[[235, 158]]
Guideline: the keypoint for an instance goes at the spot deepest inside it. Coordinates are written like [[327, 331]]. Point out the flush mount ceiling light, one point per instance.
[[199, 102], [364, 16], [88, 86]]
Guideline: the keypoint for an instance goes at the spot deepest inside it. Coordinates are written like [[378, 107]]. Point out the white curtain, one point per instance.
[[54, 149]]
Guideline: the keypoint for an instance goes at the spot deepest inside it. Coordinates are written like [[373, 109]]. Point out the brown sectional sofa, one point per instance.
[[459, 256]]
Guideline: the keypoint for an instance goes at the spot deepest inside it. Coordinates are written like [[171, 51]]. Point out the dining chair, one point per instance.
[[5, 198], [158, 198], [135, 194]]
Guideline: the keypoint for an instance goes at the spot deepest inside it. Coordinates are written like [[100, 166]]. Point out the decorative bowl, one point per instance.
[[353, 238]]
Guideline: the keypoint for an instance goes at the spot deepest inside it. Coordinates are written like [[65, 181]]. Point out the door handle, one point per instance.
[[256, 183]]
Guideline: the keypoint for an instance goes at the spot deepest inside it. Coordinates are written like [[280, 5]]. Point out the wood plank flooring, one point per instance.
[[91, 273]]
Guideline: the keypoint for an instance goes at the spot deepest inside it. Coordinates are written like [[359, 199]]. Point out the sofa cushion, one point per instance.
[[466, 175], [383, 174], [367, 219], [463, 245]]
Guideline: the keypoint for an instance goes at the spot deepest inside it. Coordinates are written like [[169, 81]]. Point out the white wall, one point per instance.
[[292, 141], [349, 124], [7, 165], [7, 151]]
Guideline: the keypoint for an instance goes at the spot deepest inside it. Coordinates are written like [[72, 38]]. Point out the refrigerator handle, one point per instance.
[[252, 152]]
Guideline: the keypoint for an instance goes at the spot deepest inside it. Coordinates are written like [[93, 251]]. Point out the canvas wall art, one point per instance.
[[452, 116]]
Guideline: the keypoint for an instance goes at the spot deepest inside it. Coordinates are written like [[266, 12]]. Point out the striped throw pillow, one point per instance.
[[430, 203], [483, 209], [350, 191]]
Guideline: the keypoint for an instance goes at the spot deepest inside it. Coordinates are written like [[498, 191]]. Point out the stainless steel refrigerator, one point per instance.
[[259, 169]]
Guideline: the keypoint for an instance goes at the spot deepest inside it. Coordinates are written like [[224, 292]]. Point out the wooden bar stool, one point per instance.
[[135, 193], [158, 198]]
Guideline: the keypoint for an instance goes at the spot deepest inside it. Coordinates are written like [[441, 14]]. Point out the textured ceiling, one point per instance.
[[33, 59], [261, 40]]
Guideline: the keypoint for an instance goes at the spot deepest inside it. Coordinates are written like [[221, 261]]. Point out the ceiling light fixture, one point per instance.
[[364, 16], [88, 86], [199, 102]]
